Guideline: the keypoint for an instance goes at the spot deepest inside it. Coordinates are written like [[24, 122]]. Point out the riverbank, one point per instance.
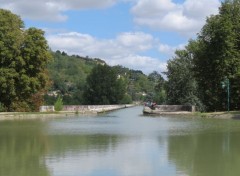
[[67, 112], [176, 111], [33, 115], [219, 115]]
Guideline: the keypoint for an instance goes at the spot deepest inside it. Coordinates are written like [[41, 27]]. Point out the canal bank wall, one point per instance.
[[94, 108], [169, 109], [83, 109], [48, 112]]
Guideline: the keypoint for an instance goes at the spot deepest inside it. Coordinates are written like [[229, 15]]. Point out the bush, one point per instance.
[[2, 108], [58, 105], [127, 99]]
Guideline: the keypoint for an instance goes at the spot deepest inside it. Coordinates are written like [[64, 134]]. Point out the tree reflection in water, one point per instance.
[[22, 149], [206, 154]]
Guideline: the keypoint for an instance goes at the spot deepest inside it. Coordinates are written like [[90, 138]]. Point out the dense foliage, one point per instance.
[[210, 59], [103, 86], [68, 75], [181, 86], [69, 79], [218, 56], [24, 54], [58, 105]]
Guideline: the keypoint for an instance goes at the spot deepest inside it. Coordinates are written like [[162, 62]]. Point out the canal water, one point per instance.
[[120, 143]]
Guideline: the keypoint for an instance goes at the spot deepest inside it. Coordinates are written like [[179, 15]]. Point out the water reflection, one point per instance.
[[60, 144], [22, 149], [130, 156], [123, 143], [120, 143], [206, 154]]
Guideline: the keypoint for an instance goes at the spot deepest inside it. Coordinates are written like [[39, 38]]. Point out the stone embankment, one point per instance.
[[169, 109], [86, 109], [94, 108], [47, 112], [32, 115]]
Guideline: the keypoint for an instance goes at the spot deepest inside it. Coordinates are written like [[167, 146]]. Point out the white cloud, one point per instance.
[[169, 50], [186, 18], [51, 10], [138, 41], [127, 48], [124, 50], [153, 13], [200, 9], [150, 8], [137, 62]]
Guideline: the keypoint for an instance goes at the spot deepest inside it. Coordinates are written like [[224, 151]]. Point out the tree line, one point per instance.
[[196, 74], [31, 74], [84, 80]]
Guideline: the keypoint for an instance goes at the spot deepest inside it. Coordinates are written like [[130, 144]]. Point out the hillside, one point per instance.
[[68, 75]]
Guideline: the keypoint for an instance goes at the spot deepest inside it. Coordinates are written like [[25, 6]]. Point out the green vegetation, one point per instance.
[[68, 75], [2, 109], [208, 60], [217, 57], [182, 87], [103, 86], [84, 80], [23, 57], [58, 105]]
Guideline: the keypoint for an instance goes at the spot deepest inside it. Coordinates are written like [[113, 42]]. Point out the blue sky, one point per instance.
[[138, 34]]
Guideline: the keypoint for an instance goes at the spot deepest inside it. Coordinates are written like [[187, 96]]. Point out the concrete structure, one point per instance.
[[83, 109], [169, 109], [46, 109], [92, 108]]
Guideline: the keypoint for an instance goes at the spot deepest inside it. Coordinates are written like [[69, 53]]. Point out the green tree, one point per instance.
[[23, 57], [103, 86], [181, 86], [68, 75], [158, 84], [58, 105], [217, 56]]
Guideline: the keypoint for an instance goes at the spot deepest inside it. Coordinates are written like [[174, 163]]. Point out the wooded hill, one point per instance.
[[68, 76]]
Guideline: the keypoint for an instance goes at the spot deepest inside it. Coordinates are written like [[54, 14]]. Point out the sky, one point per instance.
[[137, 34]]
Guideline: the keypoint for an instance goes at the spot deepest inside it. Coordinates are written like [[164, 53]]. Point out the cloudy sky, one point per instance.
[[138, 34]]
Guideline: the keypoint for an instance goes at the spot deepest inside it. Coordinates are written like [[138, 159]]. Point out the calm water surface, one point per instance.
[[120, 143]]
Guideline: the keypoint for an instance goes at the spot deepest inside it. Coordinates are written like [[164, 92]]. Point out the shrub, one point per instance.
[[58, 105], [2, 108]]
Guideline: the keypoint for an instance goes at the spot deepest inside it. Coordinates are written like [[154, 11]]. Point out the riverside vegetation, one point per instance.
[[32, 75]]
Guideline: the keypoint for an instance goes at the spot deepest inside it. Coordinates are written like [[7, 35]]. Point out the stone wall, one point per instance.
[[169, 109], [46, 109], [92, 108], [85, 108], [173, 108]]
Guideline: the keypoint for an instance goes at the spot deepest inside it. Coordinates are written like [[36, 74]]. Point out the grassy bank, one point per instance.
[[219, 115]]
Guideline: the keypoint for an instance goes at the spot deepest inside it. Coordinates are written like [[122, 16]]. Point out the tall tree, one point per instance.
[[10, 42], [217, 56], [104, 86], [23, 58], [181, 86], [158, 84]]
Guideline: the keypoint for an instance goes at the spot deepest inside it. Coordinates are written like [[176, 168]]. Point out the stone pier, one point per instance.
[[169, 109]]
